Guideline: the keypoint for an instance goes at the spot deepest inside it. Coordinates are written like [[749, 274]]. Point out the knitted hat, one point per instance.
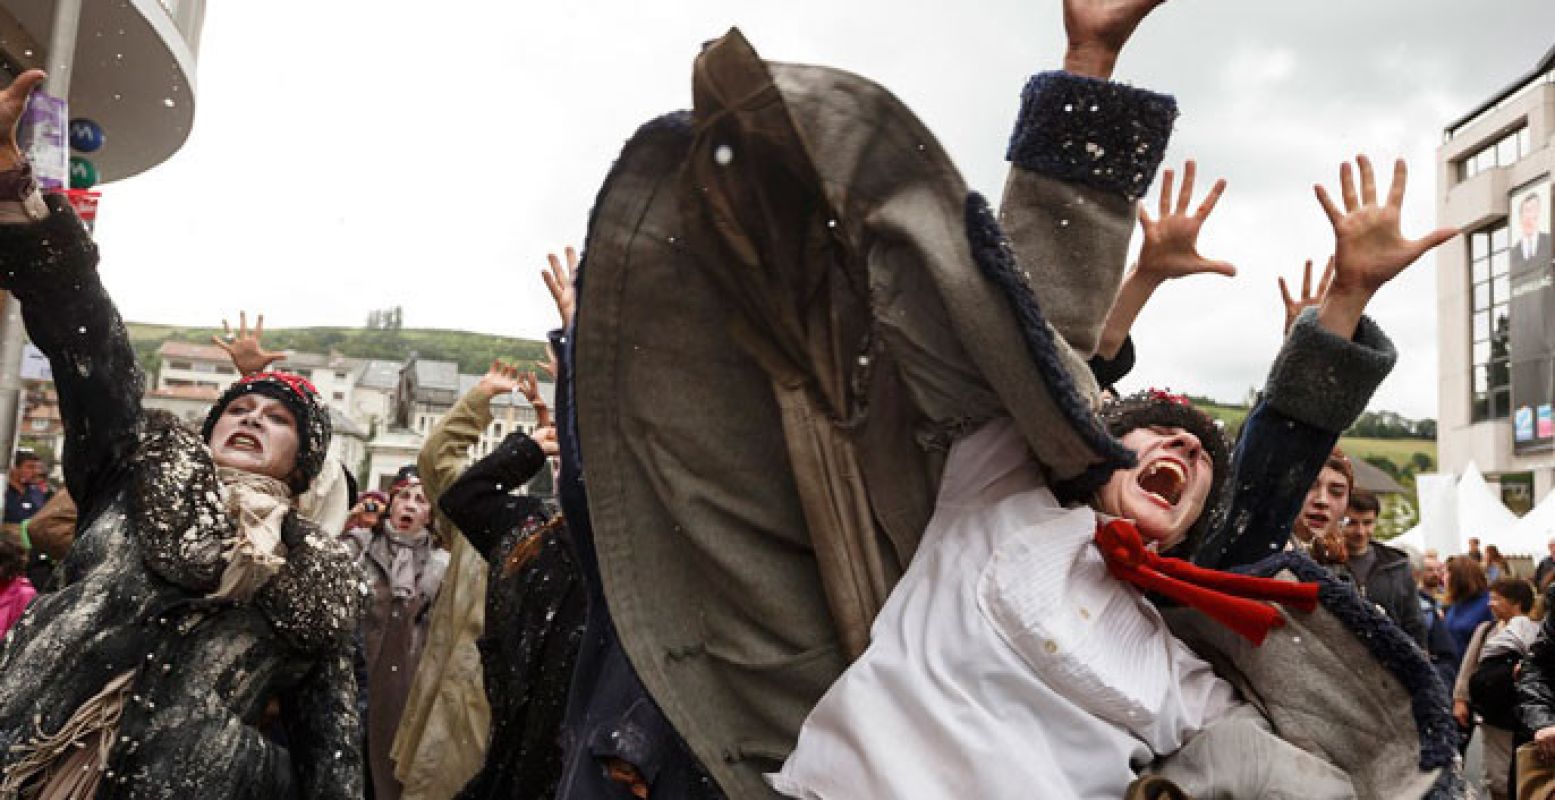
[[408, 475], [313, 425], [1157, 408]]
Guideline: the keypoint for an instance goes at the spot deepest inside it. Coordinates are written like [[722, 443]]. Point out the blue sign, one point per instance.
[[1522, 424], [86, 136]]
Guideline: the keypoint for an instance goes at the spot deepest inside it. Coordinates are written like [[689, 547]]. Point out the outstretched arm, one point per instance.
[[1330, 365], [248, 354], [1171, 250], [1084, 149], [51, 267]]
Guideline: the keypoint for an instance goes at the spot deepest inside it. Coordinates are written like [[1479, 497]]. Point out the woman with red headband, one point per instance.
[[195, 594]]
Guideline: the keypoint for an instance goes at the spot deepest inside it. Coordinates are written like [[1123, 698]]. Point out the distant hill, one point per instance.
[[473, 352]]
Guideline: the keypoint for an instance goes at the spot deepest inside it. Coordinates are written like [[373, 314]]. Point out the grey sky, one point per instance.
[[353, 155]]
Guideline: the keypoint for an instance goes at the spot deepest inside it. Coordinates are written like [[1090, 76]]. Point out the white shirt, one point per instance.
[[1007, 663]]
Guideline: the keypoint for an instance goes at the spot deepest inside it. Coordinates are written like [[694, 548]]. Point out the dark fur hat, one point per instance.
[[313, 425], [1154, 407]]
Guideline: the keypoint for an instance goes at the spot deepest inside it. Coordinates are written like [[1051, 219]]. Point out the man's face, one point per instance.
[[1358, 527], [409, 510], [1473, 545], [1528, 219], [1326, 501], [1551, 546], [1435, 575], [27, 472], [1165, 494], [256, 434]]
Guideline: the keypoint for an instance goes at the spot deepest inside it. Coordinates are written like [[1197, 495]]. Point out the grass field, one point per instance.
[[1399, 451]]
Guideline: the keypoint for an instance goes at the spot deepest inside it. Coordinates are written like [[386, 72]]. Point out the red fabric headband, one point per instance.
[[299, 385]]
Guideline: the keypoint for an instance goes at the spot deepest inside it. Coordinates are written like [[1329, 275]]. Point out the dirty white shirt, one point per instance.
[[1007, 663]]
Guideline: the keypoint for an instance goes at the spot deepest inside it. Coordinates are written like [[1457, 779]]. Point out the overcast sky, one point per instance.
[[352, 155]]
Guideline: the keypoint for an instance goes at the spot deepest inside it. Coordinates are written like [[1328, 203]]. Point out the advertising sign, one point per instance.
[[43, 137], [1532, 313]]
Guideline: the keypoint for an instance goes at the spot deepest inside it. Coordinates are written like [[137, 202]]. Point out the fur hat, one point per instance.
[[1154, 407], [313, 425]]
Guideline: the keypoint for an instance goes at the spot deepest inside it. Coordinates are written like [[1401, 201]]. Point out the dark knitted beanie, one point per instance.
[[313, 425], [1156, 408]]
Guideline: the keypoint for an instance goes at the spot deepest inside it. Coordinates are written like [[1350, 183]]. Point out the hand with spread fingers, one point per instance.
[[500, 378], [1170, 250], [1294, 306], [244, 348], [1171, 242], [1097, 31], [549, 365], [13, 101], [559, 280], [1369, 247]]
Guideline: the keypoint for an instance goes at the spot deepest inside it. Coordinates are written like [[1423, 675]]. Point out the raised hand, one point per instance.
[[530, 389], [244, 348], [500, 378], [1097, 31], [1294, 306], [559, 280], [1369, 247], [13, 101], [1171, 242], [549, 366]]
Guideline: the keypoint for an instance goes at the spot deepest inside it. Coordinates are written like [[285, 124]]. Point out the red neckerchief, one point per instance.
[[1228, 598]]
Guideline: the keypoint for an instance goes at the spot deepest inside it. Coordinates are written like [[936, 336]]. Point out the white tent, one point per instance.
[[1532, 533], [1481, 514]]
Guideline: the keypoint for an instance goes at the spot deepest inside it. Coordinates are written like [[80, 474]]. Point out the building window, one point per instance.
[[1503, 152], [1490, 326], [184, 365], [340, 397]]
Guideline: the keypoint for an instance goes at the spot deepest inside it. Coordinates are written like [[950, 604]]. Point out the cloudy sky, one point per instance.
[[353, 155]]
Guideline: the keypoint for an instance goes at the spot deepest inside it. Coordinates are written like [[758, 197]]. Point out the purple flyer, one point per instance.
[[43, 138]]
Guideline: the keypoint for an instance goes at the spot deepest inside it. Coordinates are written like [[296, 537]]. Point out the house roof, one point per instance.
[[1374, 480], [200, 352], [432, 374], [547, 391], [379, 374], [1544, 65]]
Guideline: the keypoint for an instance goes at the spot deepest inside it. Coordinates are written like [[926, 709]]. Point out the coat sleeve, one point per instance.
[[447, 447], [51, 267], [1535, 693], [324, 730], [1083, 150], [1317, 387], [1470, 663], [481, 502], [1407, 609]]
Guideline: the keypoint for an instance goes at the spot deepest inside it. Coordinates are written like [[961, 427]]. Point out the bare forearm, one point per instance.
[[1132, 296]]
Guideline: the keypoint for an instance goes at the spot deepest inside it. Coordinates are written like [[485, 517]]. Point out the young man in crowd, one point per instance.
[[1317, 528], [1381, 572]]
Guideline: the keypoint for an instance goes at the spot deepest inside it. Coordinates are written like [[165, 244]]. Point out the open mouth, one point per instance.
[[244, 441], [1316, 520], [1164, 480]]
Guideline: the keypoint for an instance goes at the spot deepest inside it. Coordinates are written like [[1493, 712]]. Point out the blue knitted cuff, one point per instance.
[[1098, 133], [1325, 381]]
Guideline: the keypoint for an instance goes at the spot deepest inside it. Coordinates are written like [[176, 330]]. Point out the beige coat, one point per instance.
[[442, 737]]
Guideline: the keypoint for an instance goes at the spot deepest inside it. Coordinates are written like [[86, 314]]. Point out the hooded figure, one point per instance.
[[851, 322]]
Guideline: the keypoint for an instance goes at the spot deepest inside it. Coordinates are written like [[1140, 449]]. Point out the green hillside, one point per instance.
[[472, 351]]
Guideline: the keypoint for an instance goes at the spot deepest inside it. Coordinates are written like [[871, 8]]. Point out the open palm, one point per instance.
[[1369, 246], [1171, 241]]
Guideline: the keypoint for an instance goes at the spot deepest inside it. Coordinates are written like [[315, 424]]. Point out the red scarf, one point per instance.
[[1230, 599]]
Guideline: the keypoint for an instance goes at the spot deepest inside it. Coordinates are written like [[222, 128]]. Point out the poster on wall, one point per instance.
[[1532, 313]]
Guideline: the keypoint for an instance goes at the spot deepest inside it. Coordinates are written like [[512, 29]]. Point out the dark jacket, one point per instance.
[[149, 549], [1391, 586], [1536, 682], [535, 606]]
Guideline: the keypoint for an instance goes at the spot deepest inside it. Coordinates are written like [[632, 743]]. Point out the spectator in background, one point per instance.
[[368, 510], [404, 569], [1474, 552], [1317, 528], [1486, 686], [1438, 644], [1496, 567], [1545, 571], [15, 590], [25, 490], [1433, 580], [1468, 601], [1381, 572]]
